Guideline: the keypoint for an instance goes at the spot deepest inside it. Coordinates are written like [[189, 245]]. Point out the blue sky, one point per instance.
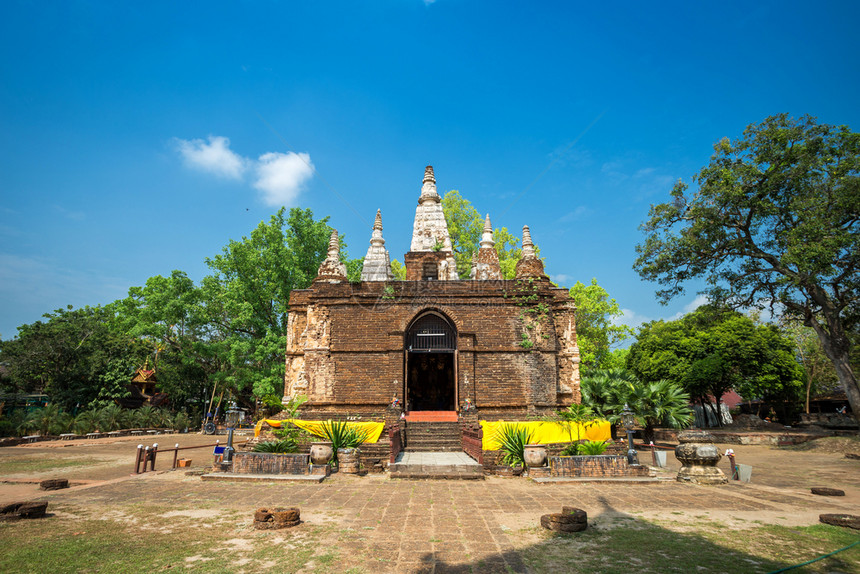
[[140, 138]]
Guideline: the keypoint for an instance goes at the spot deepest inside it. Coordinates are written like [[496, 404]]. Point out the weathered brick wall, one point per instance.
[[350, 351], [265, 463], [603, 465]]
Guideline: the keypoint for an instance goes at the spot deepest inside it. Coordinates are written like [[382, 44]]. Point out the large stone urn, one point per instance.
[[699, 457], [534, 455], [321, 452]]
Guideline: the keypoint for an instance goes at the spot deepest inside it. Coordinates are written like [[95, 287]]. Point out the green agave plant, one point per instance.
[[342, 435], [513, 440], [277, 446], [593, 447]]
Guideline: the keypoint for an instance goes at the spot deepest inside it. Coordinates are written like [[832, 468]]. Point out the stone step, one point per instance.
[[435, 447], [436, 465], [432, 416]]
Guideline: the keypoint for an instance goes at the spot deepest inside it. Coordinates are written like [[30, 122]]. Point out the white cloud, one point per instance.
[[214, 157], [580, 212], [281, 176], [630, 318], [561, 279], [700, 300]]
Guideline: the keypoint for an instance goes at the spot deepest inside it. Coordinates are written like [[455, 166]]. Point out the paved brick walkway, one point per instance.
[[442, 526], [439, 526]]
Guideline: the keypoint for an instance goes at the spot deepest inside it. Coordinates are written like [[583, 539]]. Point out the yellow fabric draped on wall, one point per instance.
[[546, 432], [373, 430]]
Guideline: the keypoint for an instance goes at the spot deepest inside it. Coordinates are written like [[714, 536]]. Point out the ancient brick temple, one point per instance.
[[435, 342]]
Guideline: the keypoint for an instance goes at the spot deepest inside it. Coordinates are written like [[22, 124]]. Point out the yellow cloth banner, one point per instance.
[[373, 430], [546, 432]]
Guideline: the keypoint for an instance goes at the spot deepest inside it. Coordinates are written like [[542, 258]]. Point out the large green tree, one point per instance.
[[66, 355], [713, 350], [774, 220], [248, 294], [465, 226], [596, 331]]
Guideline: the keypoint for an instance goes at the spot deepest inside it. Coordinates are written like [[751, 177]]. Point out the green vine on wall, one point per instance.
[[534, 311]]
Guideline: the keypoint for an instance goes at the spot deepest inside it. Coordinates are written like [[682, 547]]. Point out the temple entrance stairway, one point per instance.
[[433, 449]]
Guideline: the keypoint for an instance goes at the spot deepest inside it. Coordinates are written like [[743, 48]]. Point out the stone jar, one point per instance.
[[348, 460], [699, 457], [534, 455], [321, 452]]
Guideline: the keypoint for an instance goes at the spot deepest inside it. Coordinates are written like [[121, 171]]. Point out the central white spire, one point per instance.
[[430, 230]]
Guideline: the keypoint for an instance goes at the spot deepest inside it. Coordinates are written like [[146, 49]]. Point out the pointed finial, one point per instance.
[[333, 247], [376, 236], [428, 189], [428, 175], [487, 236], [528, 246]]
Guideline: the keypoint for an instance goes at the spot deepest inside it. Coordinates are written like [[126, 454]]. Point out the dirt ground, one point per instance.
[[492, 519]]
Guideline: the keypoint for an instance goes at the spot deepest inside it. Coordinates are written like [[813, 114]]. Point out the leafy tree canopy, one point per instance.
[[595, 330], [713, 350], [465, 225], [774, 221]]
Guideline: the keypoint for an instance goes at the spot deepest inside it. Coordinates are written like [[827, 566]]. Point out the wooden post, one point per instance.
[[175, 454], [137, 459], [146, 456], [154, 452]]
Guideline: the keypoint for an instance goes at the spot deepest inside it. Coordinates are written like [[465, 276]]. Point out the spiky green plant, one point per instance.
[[277, 446], [342, 435], [592, 447], [660, 402], [512, 439], [87, 421], [111, 418], [44, 420], [181, 421]]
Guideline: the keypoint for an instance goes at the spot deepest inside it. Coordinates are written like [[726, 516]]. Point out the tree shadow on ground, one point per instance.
[[619, 543]]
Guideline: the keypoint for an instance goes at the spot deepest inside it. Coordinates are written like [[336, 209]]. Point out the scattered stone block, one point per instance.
[[852, 456], [24, 510], [822, 491], [552, 522], [579, 514], [276, 518], [570, 519], [846, 520], [10, 508], [54, 484]]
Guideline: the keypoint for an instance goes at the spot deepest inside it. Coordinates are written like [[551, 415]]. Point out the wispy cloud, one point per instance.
[[635, 319], [577, 214], [31, 286], [214, 157], [68, 213], [562, 279], [281, 176], [630, 318]]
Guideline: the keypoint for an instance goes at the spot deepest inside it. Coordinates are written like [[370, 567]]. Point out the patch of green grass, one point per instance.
[[138, 540], [42, 464], [702, 550]]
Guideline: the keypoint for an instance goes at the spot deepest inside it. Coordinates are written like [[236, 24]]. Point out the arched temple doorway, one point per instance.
[[431, 364]]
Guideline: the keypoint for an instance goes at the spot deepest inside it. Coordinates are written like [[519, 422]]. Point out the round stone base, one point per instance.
[[702, 475]]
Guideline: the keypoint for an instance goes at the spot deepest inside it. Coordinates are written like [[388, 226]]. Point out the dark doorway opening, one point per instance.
[[431, 382], [431, 364]]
